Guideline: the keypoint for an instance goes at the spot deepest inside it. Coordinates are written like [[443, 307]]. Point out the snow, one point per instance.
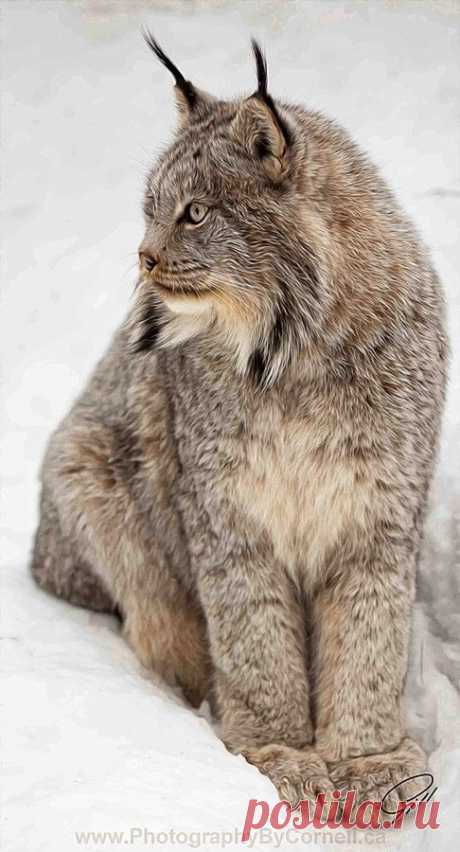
[[90, 741]]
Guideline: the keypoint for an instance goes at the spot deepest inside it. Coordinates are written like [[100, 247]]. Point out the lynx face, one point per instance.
[[222, 208]]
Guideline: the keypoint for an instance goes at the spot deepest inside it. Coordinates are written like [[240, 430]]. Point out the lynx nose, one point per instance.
[[148, 260]]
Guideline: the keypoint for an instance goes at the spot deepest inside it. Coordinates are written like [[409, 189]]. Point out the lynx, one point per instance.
[[244, 479]]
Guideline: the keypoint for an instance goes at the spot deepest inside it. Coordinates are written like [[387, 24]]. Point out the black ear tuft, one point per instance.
[[262, 71], [262, 90], [185, 86]]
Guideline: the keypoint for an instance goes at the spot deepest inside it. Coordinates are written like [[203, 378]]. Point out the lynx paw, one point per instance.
[[297, 774], [374, 776]]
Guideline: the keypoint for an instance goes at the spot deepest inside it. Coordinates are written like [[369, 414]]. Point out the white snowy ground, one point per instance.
[[90, 741]]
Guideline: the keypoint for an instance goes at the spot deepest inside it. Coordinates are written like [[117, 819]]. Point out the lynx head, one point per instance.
[[226, 250]]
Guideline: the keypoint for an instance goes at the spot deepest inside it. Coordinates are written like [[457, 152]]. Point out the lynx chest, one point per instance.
[[295, 482]]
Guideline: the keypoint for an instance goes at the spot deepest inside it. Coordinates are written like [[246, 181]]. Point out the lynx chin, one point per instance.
[[244, 478]]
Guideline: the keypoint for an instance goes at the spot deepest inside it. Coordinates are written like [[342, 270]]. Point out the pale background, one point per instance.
[[89, 740]]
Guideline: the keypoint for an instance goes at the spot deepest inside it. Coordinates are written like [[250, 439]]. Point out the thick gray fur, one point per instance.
[[246, 474]]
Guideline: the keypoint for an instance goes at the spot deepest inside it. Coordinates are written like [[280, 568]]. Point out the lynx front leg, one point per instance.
[[362, 626], [257, 638]]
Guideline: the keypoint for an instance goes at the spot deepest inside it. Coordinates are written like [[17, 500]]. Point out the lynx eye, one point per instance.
[[195, 213]]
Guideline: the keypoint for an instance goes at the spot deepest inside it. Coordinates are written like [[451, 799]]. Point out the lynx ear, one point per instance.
[[191, 102], [192, 110], [260, 128]]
